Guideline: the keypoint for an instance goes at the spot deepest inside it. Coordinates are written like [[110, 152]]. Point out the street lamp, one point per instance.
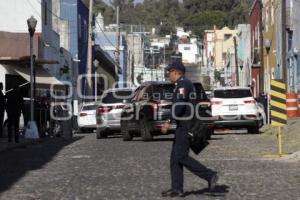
[[96, 64], [31, 130], [267, 82]]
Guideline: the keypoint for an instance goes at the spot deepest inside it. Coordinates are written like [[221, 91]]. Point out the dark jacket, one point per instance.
[[14, 104], [2, 102], [182, 101]]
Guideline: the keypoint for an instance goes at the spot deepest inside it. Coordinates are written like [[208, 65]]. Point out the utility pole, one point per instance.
[[117, 53], [236, 61], [283, 41], [89, 51], [202, 59]]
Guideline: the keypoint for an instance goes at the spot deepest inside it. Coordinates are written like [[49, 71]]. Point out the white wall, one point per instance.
[[180, 32], [190, 53], [209, 48], [14, 14], [158, 44]]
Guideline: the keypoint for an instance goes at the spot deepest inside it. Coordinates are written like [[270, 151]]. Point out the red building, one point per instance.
[[255, 21]]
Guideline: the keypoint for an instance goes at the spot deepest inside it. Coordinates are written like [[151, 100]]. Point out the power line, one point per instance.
[[106, 37]]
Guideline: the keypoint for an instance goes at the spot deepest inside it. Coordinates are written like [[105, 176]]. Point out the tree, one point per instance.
[[205, 20], [195, 15]]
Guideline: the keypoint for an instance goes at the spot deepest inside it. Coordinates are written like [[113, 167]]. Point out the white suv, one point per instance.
[[235, 107]]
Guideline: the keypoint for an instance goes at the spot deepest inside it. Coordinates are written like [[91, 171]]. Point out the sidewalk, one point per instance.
[[290, 136], [5, 146], [23, 143]]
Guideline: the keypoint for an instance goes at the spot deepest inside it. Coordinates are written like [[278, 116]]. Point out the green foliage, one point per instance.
[[195, 15], [199, 22]]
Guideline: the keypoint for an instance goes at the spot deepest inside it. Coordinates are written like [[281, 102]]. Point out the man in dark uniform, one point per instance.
[[2, 109], [180, 151], [14, 106]]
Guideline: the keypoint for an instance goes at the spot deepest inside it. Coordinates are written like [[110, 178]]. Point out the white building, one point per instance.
[[190, 53], [181, 33]]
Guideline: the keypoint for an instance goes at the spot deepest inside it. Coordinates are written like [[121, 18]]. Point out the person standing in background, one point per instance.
[[14, 106], [2, 109]]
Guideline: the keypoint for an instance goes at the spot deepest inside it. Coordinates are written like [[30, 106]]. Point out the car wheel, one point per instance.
[[5, 129], [253, 130], [126, 135], [261, 122], [101, 134], [145, 132], [209, 133]]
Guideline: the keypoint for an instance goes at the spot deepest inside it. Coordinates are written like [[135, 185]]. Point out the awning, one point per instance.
[[42, 77]]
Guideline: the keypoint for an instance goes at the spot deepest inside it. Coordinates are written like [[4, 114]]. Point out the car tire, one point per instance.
[[5, 129], [145, 132], [126, 135], [101, 134], [209, 133], [253, 130]]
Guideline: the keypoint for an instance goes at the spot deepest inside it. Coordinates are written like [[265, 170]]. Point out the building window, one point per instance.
[[187, 48], [45, 12], [224, 57], [227, 36]]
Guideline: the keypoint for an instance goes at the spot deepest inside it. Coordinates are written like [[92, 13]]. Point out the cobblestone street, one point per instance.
[[88, 168]]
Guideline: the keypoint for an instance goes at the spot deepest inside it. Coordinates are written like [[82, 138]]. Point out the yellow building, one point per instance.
[[223, 42], [269, 36]]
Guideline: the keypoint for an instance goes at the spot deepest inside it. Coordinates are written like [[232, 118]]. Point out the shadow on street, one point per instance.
[[219, 191], [17, 162]]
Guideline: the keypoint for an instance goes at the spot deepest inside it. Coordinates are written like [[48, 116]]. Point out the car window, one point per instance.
[[161, 92], [236, 93], [117, 96], [89, 107], [137, 93], [200, 92]]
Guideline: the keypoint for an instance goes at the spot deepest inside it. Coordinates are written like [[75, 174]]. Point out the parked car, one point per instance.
[[87, 117], [150, 108], [109, 110], [235, 107]]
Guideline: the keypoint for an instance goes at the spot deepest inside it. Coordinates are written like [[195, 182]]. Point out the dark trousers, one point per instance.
[[180, 158], [1, 122], [13, 123]]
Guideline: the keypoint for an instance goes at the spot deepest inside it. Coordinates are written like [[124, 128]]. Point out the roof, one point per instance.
[[17, 45], [119, 89], [233, 88], [155, 82], [106, 62], [88, 103], [25, 60]]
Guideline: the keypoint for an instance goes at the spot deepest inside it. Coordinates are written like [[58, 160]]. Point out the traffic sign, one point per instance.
[[278, 103]]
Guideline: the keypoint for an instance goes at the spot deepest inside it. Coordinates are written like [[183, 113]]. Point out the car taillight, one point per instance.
[[250, 102], [83, 114], [103, 109], [216, 102]]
